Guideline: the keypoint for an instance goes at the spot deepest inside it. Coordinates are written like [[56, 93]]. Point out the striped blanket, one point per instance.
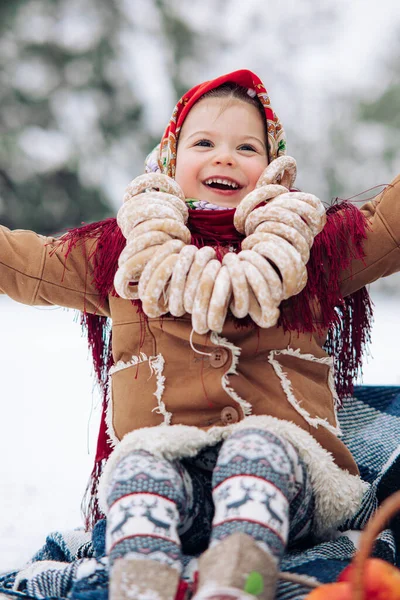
[[73, 564]]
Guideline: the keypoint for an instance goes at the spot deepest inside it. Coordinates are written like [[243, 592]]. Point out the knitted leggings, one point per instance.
[[254, 483]]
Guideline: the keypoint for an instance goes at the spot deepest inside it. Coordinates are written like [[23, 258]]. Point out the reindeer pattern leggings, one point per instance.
[[254, 482]]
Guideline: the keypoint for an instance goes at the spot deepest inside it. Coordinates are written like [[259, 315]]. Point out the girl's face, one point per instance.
[[221, 151]]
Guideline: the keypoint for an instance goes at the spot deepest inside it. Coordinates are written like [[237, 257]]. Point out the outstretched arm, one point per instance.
[[35, 270], [382, 244]]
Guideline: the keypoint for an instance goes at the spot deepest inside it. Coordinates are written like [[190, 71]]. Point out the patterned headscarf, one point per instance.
[[163, 157]]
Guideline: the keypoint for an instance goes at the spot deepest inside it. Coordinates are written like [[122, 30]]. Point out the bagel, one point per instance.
[[151, 181], [267, 271], [282, 170], [154, 300], [203, 256], [253, 199], [263, 310], [162, 252], [178, 280], [203, 294], [174, 228], [240, 294], [219, 301], [288, 261]]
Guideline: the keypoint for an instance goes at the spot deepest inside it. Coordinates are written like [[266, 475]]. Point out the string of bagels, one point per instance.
[[160, 267]]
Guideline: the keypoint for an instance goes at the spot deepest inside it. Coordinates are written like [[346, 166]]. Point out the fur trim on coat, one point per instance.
[[337, 493]]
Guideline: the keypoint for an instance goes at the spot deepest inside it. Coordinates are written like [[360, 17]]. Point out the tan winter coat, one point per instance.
[[283, 380]]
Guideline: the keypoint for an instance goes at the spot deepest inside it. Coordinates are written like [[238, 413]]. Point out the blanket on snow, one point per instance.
[[73, 564]]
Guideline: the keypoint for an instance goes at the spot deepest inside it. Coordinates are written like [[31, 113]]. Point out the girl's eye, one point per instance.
[[247, 147], [204, 143]]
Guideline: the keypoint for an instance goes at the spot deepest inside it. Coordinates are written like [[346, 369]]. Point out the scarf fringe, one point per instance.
[[90, 505], [319, 307], [348, 340], [103, 256], [99, 336]]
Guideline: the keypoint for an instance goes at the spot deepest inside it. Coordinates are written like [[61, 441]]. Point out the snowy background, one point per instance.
[[87, 87], [319, 62]]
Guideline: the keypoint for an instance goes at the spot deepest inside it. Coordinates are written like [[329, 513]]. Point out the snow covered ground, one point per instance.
[[49, 418]]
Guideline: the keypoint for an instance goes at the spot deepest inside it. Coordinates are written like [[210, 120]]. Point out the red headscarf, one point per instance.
[[166, 151]]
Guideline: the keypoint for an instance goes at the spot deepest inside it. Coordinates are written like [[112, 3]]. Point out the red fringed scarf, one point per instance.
[[347, 320]]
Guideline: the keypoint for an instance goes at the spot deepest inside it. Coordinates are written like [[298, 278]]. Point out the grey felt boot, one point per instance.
[[225, 568], [133, 579]]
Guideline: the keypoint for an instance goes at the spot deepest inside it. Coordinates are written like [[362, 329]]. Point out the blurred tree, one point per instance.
[[77, 115], [384, 111], [366, 147], [57, 107], [86, 93], [366, 137]]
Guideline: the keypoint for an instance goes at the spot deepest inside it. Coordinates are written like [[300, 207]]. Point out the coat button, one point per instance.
[[219, 357], [229, 415]]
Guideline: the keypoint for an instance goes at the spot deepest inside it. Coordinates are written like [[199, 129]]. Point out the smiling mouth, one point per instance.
[[219, 183]]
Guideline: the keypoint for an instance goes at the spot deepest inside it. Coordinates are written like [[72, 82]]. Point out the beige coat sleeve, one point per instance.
[[34, 270], [382, 245]]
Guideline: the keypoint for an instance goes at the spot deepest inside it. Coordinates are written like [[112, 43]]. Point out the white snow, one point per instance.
[[48, 148], [382, 366], [48, 425]]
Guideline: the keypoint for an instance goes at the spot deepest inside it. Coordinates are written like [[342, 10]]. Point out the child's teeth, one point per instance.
[[222, 181]]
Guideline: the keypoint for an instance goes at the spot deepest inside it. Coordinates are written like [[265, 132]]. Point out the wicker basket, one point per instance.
[[375, 525]]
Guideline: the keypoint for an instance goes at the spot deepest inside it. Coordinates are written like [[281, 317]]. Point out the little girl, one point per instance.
[[224, 442]]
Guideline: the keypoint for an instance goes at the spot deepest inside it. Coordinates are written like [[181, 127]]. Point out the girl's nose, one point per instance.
[[224, 158]]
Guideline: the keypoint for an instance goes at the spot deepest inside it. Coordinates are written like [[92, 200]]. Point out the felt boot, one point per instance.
[[133, 579], [224, 570]]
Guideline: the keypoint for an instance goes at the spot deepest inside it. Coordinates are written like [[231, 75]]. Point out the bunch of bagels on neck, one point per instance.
[[160, 267]]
